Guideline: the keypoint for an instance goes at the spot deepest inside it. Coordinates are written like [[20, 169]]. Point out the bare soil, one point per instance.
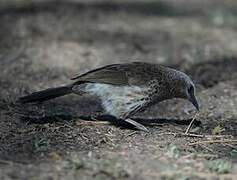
[[43, 44]]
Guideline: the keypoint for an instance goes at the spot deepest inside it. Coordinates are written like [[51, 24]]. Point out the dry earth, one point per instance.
[[44, 43]]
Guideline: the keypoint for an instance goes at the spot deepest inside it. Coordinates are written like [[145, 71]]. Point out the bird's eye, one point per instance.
[[190, 89]]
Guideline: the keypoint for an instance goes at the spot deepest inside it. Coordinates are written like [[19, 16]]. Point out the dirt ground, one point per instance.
[[45, 43]]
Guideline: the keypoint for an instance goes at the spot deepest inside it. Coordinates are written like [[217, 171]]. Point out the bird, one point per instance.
[[125, 89]]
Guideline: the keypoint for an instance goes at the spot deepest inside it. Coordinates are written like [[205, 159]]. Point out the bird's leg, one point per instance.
[[136, 124], [116, 121], [128, 114], [111, 119]]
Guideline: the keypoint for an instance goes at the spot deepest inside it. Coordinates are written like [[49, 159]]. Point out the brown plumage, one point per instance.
[[125, 89]]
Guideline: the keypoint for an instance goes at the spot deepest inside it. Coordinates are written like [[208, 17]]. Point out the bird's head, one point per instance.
[[184, 88]]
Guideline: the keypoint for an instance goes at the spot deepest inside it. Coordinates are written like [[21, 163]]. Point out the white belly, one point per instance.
[[117, 100]]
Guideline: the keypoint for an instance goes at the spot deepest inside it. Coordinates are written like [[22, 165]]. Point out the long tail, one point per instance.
[[45, 95]]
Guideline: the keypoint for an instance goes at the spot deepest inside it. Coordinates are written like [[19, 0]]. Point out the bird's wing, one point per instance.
[[111, 74]]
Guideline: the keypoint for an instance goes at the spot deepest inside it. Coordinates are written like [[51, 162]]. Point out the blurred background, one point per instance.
[[45, 42]]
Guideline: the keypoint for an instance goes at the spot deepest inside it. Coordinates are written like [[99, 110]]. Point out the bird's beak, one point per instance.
[[193, 100]]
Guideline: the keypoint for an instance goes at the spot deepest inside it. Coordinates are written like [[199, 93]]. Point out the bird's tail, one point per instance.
[[45, 95]]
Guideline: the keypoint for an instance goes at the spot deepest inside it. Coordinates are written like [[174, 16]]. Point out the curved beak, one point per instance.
[[193, 100]]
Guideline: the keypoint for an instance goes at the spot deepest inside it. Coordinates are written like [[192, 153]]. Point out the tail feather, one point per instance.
[[45, 95]]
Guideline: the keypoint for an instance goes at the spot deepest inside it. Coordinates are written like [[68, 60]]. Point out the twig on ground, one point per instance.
[[203, 175], [8, 162], [68, 126], [230, 141], [130, 134], [207, 148], [5, 162], [93, 123], [197, 135]]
